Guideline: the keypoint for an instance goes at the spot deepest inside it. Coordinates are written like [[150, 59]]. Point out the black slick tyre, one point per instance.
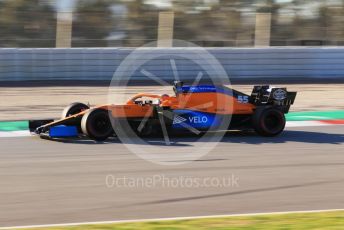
[[73, 109], [268, 121], [96, 124]]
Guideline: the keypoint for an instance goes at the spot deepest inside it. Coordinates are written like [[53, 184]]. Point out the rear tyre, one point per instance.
[[96, 124], [268, 121], [73, 109]]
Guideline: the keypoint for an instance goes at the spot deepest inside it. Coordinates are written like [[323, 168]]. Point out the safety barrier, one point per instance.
[[239, 63]]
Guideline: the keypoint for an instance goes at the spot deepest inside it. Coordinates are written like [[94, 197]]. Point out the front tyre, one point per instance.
[[96, 124], [268, 121], [73, 109]]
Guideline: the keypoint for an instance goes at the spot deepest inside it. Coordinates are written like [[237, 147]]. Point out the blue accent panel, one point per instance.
[[205, 89], [197, 89], [63, 131], [195, 119]]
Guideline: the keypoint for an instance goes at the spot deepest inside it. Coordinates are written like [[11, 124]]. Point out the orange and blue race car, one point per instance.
[[195, 108]]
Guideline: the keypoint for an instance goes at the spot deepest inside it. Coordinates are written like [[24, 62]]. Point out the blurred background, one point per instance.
[[207, 23]]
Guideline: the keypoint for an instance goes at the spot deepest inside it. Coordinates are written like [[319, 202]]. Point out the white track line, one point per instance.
[[306, 123], [168, 219], [22, 133]]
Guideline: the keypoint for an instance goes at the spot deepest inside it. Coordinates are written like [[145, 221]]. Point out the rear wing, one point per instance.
[[276, 96]]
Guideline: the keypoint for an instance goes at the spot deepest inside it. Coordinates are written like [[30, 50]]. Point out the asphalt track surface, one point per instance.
[[45, 182]]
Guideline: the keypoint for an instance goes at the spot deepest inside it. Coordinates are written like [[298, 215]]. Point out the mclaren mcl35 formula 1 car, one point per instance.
[[201, 108]]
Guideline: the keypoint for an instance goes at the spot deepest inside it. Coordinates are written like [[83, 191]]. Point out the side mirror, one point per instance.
[[178, 84]]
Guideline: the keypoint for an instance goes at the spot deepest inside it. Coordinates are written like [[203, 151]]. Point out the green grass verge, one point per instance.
[[301, 221], [14, 125], [316, 115]]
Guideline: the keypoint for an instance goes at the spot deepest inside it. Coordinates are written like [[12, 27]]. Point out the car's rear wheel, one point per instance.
[[268, 121], [96, 124], [73, 109]]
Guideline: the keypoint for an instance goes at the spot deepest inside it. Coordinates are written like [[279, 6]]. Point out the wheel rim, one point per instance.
[[73, 112], [74, 109], [273, 122], [102, 124]]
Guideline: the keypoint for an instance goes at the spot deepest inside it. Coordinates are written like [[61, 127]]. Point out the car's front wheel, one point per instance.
[[96, 124], [73, 109]]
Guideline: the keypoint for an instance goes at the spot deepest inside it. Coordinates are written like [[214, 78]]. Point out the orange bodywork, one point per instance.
[[209, 102]]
